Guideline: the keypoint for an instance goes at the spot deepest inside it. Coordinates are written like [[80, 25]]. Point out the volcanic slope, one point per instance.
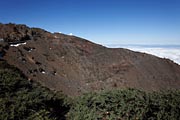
[[74, 65]]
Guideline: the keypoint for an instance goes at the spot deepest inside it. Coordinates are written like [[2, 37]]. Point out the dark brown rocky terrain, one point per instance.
[[75, 66]]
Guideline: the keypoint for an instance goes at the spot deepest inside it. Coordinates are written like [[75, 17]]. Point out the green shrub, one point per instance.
[[22, 100], [127, 104]]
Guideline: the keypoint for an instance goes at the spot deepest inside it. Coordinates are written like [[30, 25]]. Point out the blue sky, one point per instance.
[[101, 21]]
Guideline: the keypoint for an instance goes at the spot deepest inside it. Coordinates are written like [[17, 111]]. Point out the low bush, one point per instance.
[[24, 100], [128, 104]]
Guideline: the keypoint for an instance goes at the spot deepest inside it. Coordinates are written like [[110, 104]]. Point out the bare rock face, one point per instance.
[[75, 66], [14, 33]]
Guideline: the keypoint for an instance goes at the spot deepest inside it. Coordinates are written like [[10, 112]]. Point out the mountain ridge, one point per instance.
[[75, 66]]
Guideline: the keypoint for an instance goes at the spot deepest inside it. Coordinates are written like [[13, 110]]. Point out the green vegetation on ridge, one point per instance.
[[128, 104], [21, 99]]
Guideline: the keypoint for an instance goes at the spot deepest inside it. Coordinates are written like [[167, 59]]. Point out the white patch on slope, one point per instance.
[[43, 72], [55, 36], [1, 39], [16, 45]]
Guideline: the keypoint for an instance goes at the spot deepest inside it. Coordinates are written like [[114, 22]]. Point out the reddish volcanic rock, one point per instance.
[[75, 66]]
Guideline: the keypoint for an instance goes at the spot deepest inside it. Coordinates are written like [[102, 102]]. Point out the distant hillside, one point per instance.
[[75, 65]]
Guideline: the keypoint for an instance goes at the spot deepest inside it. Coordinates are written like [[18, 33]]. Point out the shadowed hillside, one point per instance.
[[21, 99]]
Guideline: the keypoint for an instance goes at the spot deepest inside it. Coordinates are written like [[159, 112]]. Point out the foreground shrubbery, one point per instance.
[[24, 100], [127, 104]]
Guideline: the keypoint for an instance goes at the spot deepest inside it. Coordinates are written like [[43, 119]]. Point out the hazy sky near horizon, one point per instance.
[[101, 21]]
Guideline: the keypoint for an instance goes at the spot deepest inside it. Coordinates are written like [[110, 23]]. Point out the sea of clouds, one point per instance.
[[163, 51]]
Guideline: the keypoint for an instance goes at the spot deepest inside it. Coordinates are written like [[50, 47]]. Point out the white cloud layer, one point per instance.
[[172, 53]]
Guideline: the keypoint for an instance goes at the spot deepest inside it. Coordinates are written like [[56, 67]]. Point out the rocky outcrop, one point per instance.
[[14, 34], [75, 65]]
